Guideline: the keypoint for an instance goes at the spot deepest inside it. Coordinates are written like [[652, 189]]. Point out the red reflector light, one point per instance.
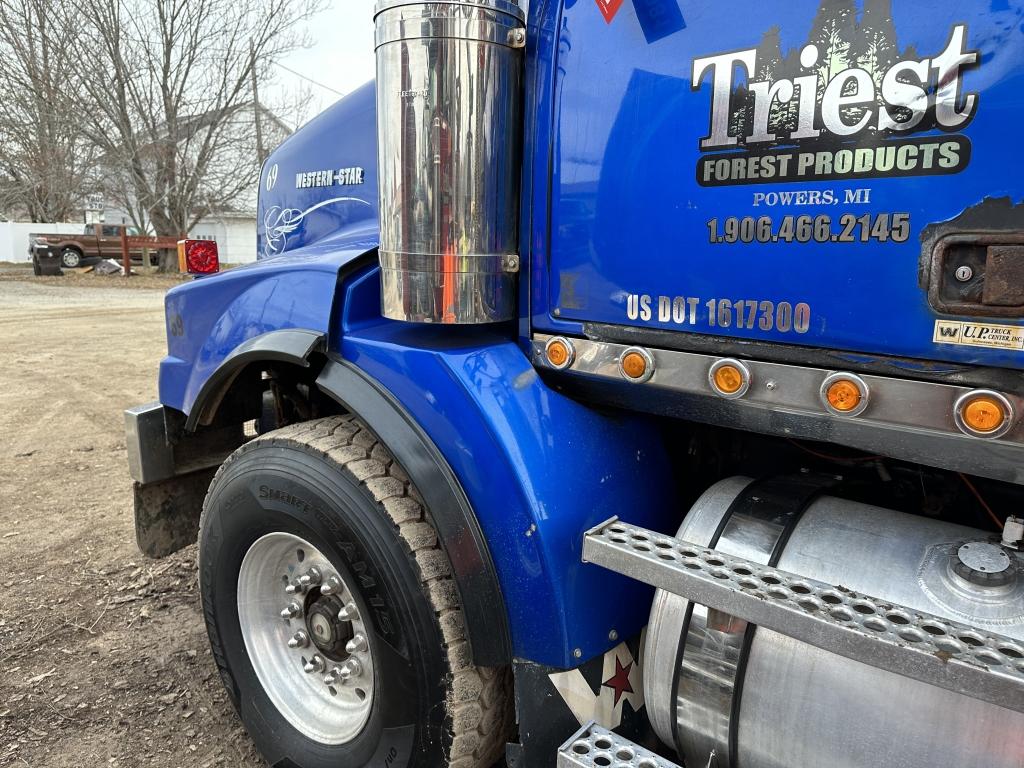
[[198, 257]]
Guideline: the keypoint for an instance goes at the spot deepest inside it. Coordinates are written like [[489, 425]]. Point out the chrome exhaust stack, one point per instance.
[[448, 142]]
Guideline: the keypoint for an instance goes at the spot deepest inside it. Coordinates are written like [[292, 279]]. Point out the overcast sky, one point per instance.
[[341, 58]]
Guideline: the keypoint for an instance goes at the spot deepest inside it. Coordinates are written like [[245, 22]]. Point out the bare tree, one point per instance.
[[169, 86], [45, 158]]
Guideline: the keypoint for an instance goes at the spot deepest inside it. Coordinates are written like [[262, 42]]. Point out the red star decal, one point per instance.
[[619, 682]]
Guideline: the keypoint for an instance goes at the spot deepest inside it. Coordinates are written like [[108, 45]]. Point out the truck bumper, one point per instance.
[[150, 453], [47, 259], [172, 471]]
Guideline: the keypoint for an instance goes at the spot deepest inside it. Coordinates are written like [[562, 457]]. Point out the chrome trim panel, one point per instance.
[[481, 25], [510, 7], [915, 644], [905, 419]]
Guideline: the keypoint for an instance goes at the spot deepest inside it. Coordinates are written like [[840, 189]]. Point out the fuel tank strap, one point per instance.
[[714, 645]]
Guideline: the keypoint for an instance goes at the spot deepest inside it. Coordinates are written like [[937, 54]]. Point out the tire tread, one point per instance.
[[479, 699]]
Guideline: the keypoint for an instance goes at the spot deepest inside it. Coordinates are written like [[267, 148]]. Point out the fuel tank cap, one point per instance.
[[983, 563]]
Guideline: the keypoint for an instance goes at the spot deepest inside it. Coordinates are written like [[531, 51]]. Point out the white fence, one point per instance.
[[14, 236]]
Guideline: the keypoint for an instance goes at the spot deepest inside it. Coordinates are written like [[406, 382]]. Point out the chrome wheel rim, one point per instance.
[[71, 258], [306, 638]]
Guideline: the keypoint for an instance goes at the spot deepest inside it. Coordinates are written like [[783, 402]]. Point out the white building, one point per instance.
[[235, 235]]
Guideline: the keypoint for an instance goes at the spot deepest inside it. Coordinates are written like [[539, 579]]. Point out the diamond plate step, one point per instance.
[[892, 637], [595, 747]]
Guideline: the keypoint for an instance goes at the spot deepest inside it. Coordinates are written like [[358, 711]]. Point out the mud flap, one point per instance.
[[167, 512], [552, 704]]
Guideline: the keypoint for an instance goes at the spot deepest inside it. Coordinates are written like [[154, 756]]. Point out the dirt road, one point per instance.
[[103, 654]]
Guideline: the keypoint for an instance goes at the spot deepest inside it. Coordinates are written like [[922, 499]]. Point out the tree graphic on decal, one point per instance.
[[782, 115], [833, 32], [874, 47], [742, 109], [842, 42]]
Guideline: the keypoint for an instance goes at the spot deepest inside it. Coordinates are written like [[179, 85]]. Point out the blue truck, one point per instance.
[[621, 383]]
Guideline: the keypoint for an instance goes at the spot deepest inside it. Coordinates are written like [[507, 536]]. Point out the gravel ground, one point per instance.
[[88, 280], [103, 653]]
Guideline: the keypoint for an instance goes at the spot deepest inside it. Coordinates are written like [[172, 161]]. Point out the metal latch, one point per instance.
[[979, 274]]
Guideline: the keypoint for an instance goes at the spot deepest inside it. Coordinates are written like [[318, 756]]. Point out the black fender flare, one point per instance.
[[289, 345], [458, 529]]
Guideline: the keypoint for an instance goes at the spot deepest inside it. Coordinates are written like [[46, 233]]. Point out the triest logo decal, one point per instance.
[[842, 105]]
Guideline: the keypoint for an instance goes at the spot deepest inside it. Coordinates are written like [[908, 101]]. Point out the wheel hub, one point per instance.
[[329, 634], [305, 637]]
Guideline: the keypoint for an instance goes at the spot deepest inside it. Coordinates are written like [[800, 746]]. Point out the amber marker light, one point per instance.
[[844, 394], [636, 365], [729, 378], [559, 352], [983, 413]]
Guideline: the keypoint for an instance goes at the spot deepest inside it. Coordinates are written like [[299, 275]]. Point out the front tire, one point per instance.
[[70, 258], [327, 493]]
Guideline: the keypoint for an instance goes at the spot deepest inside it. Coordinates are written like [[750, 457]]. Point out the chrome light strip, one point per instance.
[[904, 419], [891, 637]]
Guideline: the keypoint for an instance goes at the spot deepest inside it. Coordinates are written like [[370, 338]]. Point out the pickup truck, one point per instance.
[[98, 241]]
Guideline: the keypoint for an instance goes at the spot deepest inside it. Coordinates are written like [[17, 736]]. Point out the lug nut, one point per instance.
[[349, 612], [295, 588], [356, 645], [299, 640], [316, 664], [291, 610], [333, 676], [332, 586], [310, 578], [351, 668]]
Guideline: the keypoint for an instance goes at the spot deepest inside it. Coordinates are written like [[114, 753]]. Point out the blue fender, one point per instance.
[[538, 468], [210, 318]]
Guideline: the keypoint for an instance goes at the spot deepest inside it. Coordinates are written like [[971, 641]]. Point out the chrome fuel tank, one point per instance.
[[758, 699], [448, 124]]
